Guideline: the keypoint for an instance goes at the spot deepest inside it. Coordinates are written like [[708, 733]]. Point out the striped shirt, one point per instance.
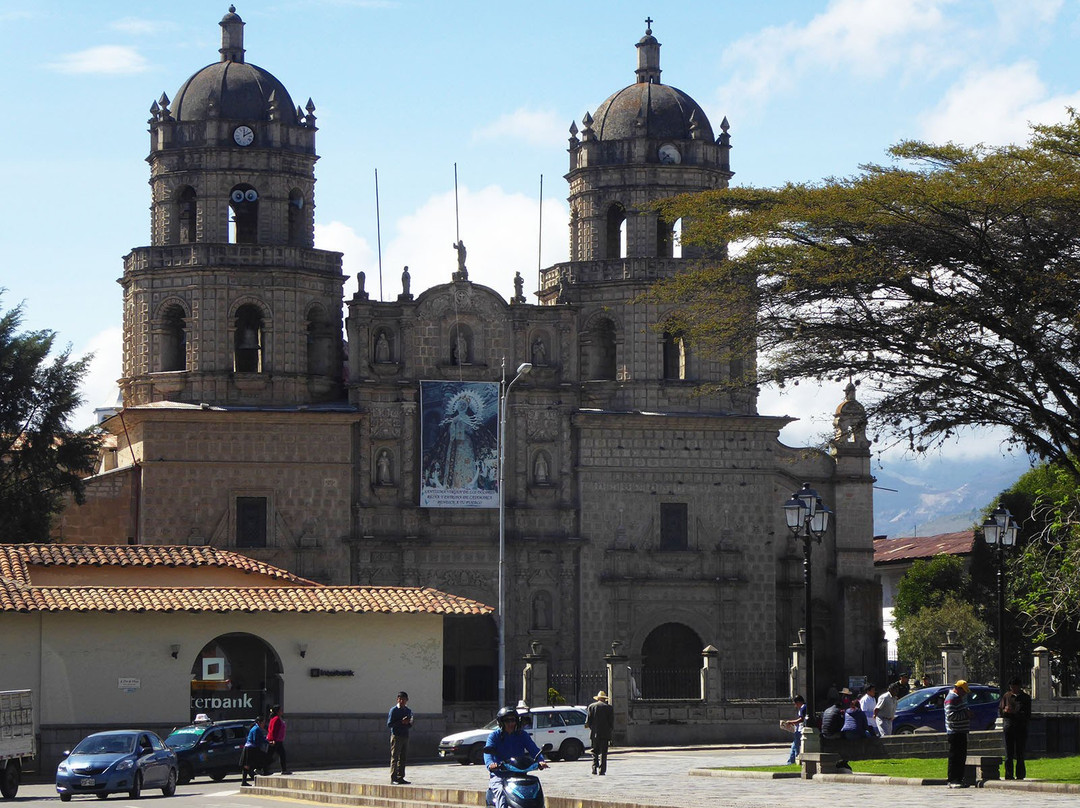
[[957, 715]]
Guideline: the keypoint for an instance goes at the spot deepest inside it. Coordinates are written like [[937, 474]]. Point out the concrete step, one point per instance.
[[372, 795], [327, 792]]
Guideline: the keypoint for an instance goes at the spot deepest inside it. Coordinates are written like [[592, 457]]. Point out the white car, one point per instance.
[[562, 727]]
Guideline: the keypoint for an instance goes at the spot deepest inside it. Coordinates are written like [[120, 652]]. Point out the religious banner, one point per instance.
[[459, 445]]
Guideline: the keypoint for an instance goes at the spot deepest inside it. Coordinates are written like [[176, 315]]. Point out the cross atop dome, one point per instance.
[[648, 69]]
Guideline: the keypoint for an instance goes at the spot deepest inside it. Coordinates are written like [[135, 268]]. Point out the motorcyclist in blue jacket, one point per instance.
[[510, 740]]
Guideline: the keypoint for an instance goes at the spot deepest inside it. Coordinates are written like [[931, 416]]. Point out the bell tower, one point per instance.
[[231, 304], [647, 142]]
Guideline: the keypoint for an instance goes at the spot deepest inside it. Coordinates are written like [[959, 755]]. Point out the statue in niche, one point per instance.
[[541, 612], [540, 470], [462, 273], [383, 475], [459, 351], [382, 348], [539, 352]]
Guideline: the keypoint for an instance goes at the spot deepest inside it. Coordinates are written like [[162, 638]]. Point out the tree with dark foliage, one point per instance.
[[41, 457], [946, 282]]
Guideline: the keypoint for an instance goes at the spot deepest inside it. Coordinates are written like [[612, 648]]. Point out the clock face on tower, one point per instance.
[[669, 154], [243, 135]]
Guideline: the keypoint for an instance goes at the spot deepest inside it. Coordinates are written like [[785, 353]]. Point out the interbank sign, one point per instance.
[[228, 704], [241, 702]]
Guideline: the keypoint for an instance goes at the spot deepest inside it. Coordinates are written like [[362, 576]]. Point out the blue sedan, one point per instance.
[[119, 761], [926, 708]]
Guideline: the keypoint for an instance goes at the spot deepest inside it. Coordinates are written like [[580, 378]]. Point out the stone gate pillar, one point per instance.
[[618, 689], [952, 659], [797, 672], [711, 685], [1041, 684], [534, 677]]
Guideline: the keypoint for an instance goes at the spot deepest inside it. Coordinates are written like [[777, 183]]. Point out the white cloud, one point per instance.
[[860, 37], [357, 253], [500, 234], [535, 127], [141, 27], [99, 385], [103, 59], [995, 107]]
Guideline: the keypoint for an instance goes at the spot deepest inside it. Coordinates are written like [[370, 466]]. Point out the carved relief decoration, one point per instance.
[[385, 421], [542, 425]]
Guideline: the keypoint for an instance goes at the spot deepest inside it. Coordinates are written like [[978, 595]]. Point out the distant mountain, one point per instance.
[[939, 495]]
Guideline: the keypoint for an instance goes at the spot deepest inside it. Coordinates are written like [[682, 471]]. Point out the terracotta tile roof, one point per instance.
[[15, 557], [17, 594], [908, 549]]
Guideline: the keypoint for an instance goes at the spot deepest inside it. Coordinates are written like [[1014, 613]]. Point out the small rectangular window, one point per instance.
[[251, 521], [673, 526]]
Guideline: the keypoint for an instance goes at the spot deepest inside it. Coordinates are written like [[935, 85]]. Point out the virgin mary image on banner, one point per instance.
[[459, 445]]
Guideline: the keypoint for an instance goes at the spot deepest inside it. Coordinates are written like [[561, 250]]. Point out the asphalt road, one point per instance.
[[656, 777]]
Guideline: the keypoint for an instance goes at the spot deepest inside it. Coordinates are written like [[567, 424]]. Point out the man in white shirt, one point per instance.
[[868, 703]]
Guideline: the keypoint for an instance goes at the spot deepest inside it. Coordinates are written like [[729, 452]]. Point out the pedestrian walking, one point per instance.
[[400, 720], [601, 724], [796, 726], [957, 725], [253, 755], [275, 736], [1015, 709]]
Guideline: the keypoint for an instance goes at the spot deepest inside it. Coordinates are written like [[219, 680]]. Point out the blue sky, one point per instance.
[[811, 89]]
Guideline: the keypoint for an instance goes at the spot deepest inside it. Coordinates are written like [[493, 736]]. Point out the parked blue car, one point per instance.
[[119, 761], [926, 708]]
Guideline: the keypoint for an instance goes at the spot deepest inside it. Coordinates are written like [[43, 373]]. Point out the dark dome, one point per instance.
[[238, 90], [648, 109]]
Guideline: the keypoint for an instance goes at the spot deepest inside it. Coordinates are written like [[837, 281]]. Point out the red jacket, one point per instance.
[[276, 731]]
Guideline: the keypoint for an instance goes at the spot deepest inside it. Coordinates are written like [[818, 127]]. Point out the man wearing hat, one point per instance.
[[957, 725], [601, 724]]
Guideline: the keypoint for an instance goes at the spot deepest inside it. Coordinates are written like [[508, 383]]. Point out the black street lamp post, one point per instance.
[[999, 530], [807, 516]]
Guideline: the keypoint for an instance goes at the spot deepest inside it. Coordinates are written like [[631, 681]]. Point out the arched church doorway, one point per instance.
[[235, 676], [470, 659], [671, 663]]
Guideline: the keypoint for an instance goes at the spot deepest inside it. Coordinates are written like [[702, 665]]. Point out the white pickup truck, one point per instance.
[[16, 738]]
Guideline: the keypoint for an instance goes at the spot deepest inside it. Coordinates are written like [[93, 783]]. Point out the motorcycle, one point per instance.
[[522, 790]]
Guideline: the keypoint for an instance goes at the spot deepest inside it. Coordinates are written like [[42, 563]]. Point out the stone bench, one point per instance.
[[980, 768]]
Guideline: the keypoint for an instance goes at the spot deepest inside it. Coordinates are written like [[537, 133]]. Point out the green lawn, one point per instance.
[[1055, 769]]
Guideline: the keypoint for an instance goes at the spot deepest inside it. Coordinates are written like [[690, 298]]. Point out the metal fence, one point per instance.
[[759, 682], [578, 687]]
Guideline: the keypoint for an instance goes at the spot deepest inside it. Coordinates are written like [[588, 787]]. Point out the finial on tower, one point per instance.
[[232, 37]]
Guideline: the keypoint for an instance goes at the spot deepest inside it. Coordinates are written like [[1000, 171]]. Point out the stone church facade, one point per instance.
[[637, 508]]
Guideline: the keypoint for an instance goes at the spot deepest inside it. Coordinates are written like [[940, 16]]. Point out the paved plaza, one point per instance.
[[662, 777]]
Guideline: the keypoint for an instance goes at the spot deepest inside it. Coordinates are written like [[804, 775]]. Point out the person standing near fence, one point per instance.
[[601, 724]]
